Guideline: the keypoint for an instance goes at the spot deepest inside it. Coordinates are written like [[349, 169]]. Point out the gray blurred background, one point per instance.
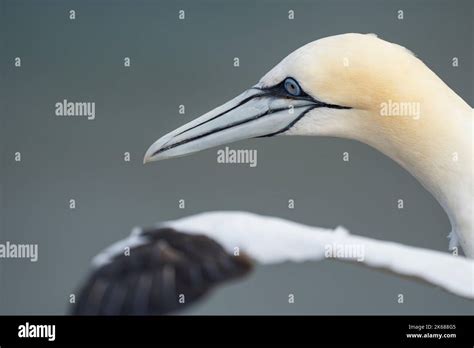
[[190, 62]]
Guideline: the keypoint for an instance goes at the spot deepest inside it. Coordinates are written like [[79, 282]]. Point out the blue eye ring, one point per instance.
[[292, 87]]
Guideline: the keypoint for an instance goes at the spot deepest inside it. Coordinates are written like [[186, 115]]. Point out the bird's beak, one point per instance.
[[256, 112]]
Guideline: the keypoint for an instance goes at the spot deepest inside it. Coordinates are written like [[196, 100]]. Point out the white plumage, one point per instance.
[[269, 240], [336, 86]]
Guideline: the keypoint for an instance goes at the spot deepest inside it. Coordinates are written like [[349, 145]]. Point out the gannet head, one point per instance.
[[342, 86], [333, 86], [359, 87]]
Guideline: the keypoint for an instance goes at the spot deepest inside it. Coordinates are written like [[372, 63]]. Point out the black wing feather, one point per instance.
[[156, 274]]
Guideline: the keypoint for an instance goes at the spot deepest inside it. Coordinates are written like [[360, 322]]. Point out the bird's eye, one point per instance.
[[292, 87]]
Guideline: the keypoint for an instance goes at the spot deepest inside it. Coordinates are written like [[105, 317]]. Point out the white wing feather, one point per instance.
[[272, 240]]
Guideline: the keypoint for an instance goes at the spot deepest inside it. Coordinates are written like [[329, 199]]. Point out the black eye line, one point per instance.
[[279, 90]]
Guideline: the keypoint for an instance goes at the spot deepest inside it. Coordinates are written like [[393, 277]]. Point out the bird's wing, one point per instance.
[[157, 272], [165, 268]]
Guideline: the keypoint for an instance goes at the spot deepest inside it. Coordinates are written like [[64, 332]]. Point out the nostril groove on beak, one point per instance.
[[242, 102], [234, 124]]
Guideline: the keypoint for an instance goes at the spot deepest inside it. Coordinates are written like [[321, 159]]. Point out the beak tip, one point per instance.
[[148, 156], [202, 132], [153, 153]]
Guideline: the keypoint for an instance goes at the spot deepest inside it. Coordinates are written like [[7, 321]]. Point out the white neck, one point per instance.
[[438, 151]]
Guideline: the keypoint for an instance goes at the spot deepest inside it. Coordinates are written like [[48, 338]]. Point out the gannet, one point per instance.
[[339, 86], [336, 86]]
